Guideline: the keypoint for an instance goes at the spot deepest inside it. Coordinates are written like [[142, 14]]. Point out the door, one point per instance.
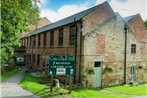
[[132, 72], [97, 74]]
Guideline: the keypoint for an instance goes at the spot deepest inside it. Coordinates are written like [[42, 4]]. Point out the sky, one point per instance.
[[55, 10]]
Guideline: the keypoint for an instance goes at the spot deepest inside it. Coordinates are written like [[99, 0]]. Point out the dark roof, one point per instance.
[[129, 18], [68, 20]]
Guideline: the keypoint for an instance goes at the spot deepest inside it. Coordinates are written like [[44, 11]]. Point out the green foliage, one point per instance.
[[16, 15], [145, 23], [108, 69], [89, 70]]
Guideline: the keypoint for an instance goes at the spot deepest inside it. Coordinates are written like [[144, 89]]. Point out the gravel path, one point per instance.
[[10, 88]]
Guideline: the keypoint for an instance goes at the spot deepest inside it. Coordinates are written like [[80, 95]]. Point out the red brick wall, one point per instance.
[[45, 51], [100, 45], [93, 19], [138, 28]]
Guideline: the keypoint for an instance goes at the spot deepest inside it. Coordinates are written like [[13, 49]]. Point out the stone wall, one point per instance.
[[106, 43]]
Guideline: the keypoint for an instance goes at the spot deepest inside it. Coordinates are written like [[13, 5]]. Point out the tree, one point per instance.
[[16, 15], [145, 23]]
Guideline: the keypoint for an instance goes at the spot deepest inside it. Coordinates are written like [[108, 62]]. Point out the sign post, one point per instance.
[[62, 65]]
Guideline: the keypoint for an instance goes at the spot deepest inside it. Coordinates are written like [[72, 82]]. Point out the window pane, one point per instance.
[[60, 41], [34, 40], [33, 58], [38, 59], [133, 48], [52, 38], [73, 31], [38, 39], [44, 40]]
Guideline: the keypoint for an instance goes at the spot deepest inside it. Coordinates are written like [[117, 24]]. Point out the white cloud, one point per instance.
[[100, 1], [129, 7], [62, 12]]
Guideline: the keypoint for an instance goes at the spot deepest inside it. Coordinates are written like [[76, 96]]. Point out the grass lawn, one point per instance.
[[32, 84], [131, 90], [144, 84], [8, 74], [92, 93]]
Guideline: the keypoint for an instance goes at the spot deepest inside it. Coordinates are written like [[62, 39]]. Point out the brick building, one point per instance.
[[96, 37], [42, 22], [20, 53]]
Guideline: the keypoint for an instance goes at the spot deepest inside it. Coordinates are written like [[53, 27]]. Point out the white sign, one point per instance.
[[51, 72], [61, 71], [71, 71], [20, 59]]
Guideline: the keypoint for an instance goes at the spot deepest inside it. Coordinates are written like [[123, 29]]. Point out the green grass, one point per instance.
[[131, 90], [144, 85], [92, 93], [8, 74], [32, 84]]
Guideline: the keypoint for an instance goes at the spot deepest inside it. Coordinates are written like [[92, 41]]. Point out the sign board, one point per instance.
[[20, 59], [61, 65]]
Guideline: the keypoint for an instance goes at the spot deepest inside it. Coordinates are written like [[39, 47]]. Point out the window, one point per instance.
[[38, 59], [97, 64], [73, 31], [33, 58], [52, 38], [30, 57], [44, 40], [133, 48], [22, 42], [132, 72], [60, 41], [27, 41], [30, 41], [34, 40], [38, 39]]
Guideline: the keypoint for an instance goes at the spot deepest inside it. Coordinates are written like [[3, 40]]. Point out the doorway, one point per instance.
[[98, 74], [132, 73]]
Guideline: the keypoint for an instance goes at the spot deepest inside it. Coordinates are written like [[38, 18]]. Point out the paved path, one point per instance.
[[11, 89]]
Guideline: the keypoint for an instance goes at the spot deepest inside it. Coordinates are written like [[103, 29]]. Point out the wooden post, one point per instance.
[[70, 84], [51, 86]]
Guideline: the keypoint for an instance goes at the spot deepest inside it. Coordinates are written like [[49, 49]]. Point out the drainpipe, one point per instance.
[[80, 57], [75, 56], [125, 53], [75, 53]]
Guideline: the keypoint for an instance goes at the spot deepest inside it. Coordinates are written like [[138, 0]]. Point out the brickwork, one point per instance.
[[97, 17], [100, 37], [100, 44], [45, 51]]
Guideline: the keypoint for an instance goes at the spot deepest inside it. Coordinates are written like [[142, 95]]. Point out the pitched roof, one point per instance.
[[129, 18], [68, 20]]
